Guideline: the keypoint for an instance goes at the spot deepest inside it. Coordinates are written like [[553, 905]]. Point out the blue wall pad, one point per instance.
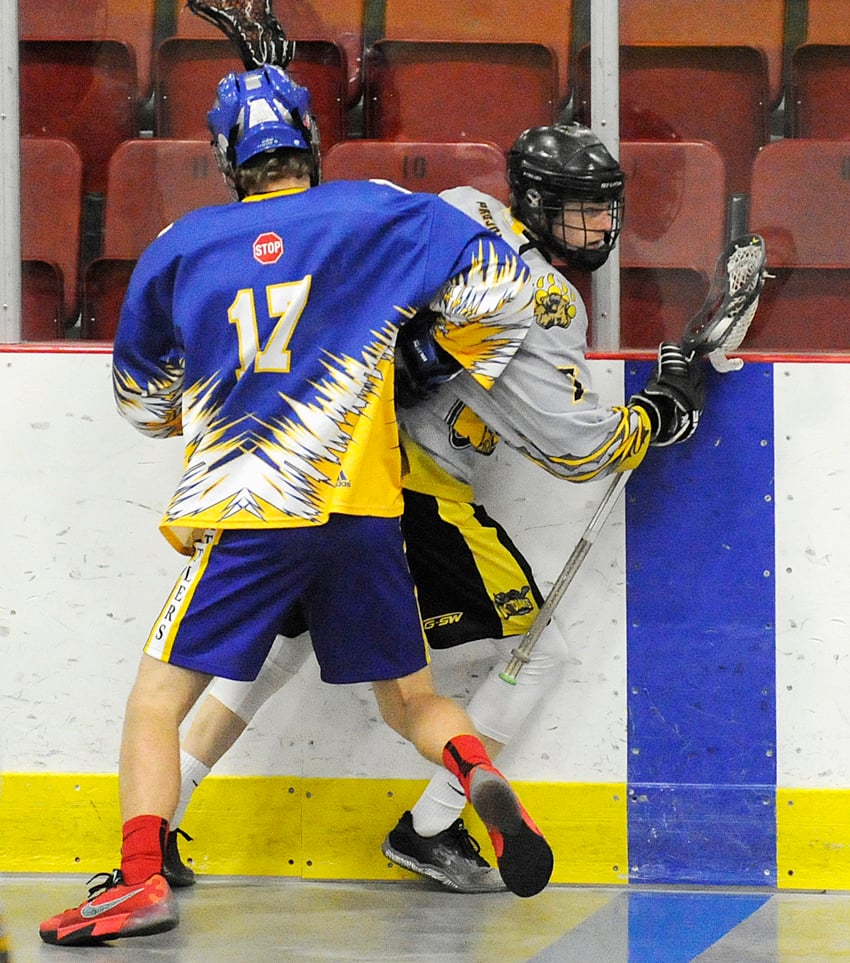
[[701, 643]]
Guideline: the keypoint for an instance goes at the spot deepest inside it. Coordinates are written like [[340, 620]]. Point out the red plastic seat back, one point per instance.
[[420, 166], [341, 22], [547, 22], [713, 93], [443, 92], [82, 91], [51, 217], [188, 71], [800, 204]]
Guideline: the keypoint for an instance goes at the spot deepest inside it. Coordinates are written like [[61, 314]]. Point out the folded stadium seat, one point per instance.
[[131, 22], [820, 80], [689, 92], [826, 21], [341, 22], [457, 92], [51, 211], [84, 91], [800, 204], [152, 182], [820, 73], [189, 68], [420, 166], [756, 23], [547, 22], [673, 231]]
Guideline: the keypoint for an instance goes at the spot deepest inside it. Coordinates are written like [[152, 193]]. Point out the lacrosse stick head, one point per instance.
[[259, 111], [722, 322], [560, 164], [251, 26]]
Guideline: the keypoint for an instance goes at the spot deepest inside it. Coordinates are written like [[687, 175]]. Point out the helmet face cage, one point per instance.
[[260, 111], [568, 226], [568, 191]]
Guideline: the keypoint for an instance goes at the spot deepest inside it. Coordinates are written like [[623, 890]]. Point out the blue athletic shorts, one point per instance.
[[347, 581]]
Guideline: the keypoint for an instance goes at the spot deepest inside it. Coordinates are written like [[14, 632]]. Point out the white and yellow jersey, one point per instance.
[[543, 404]]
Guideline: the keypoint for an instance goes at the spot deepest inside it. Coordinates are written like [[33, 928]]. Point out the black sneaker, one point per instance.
[[174, 869], [452, 857]]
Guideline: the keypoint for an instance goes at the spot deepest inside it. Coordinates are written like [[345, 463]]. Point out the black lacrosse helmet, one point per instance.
[[564, 162]]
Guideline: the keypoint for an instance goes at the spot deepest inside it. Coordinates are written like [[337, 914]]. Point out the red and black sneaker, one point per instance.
[[113, 911], [525, 858]]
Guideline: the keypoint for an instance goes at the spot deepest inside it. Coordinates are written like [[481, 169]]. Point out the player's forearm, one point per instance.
[[484, 312], [152, 404]]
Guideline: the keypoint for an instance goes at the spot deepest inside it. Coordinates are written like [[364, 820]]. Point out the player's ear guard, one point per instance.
[[421, 365]]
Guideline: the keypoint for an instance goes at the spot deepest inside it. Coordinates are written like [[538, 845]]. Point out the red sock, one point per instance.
[[461, 755], [144, 844]]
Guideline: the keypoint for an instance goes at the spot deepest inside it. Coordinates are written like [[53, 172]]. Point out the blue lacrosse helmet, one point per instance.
[[258, 111]]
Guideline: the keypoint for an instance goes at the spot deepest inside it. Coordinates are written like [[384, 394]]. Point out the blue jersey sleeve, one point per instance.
[[148, 365]]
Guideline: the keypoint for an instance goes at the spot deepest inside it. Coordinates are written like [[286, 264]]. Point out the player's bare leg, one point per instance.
[[136, 900], [150, 747]]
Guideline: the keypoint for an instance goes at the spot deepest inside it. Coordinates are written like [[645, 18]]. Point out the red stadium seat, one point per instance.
[[82, 91], [340, 22], [547, 22], [42, 296], [420, 166], [188, 70], [152, 182], [51, 211], [819, 72], [820, 79], [827, 21], [131, 22], [800, 204], [756, 23], [444, 92], [713, 93], [673, 231]]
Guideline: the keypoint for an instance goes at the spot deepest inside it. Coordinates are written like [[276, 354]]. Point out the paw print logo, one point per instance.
[[554, 303]]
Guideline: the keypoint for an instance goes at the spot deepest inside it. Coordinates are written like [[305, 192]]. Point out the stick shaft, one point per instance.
[[695, 341], [564, 580]]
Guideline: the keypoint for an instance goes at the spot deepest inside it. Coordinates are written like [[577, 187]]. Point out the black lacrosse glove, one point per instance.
[[673, 397], [421, 365]]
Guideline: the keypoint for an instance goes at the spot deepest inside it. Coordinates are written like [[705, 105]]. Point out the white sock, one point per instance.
[[192, 774], [440, 805]]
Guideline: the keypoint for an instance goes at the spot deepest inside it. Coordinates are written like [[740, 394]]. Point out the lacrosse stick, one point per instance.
[[720, 325], [251, 26]]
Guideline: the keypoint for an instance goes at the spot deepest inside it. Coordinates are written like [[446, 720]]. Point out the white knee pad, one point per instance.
[[499, 709], [283, 661]]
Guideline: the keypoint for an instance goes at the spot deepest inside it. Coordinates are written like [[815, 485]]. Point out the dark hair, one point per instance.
[[254, 175]]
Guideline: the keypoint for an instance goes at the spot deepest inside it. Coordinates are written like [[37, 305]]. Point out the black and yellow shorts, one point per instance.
[[472, 581]]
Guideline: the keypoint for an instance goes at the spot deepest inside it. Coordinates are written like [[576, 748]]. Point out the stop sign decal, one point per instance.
[[268, 248]]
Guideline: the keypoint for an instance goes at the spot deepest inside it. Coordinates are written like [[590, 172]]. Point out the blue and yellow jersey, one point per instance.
[[264, 331]]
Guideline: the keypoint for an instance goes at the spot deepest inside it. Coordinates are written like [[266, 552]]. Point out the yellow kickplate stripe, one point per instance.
[[813, 838], [285, 826]]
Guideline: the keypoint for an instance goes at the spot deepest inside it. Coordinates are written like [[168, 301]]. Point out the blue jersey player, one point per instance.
[[264, 332]]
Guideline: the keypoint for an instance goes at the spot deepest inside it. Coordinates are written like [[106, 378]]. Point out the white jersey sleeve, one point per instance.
[[543, 404]]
